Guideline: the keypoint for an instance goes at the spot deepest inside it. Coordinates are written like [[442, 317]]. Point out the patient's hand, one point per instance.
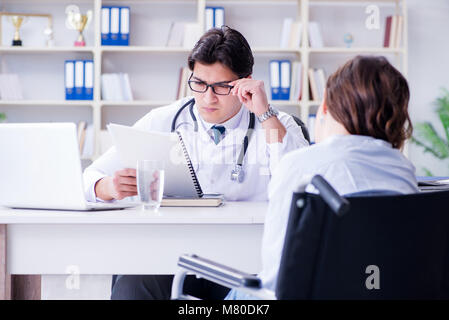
[[123, 184]]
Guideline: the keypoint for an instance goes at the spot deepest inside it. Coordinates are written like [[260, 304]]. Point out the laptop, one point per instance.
[[40, 168]]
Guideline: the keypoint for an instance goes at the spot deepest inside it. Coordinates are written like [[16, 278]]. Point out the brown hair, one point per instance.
[[224, 45], [370, 97]]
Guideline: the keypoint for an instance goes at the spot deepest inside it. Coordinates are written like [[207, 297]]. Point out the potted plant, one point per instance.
[[426, 136], [2, 117]]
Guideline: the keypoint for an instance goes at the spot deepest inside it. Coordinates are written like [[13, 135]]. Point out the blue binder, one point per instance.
[[285, 79], [79, 80], [124, 27], [114, 30], [88, 93], [219, 17], [209, 18], [275, 79], [214, 17], [105, 26], [69, 79]]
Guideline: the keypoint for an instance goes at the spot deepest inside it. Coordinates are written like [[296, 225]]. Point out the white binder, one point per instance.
[[275, 79], [124, 26], [105, 36], [69, 80], [285, 79], [115, 24], [209, 21], [88, 79], [219, 17], [79, 79]]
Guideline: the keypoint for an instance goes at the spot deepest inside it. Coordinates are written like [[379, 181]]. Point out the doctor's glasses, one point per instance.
[[220, 88]]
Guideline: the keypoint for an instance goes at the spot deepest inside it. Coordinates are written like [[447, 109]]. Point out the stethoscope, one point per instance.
[[237, 174]]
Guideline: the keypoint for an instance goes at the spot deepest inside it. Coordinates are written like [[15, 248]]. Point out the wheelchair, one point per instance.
[[364, 246]]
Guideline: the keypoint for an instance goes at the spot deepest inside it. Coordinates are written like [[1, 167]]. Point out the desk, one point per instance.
[[36, 242]]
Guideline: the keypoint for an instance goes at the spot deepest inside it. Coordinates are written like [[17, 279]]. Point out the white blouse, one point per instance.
[[350, 163]]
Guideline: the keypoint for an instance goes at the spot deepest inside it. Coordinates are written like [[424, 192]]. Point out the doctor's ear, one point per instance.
[[249, 77]]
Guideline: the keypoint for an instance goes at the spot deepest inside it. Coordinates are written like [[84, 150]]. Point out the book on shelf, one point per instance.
[[183, 86], [116, 87], [313, 85], [81, 129], [296, 81], [88, 147], [192, 33], [85, 139], [315, 35], [320, 79], [115, 26], [175, 34], [317, 83], [393, 31], [291, 34], [10, 88], [214, 17]]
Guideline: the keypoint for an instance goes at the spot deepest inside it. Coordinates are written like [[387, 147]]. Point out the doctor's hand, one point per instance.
[[123, 184], [252, 94]]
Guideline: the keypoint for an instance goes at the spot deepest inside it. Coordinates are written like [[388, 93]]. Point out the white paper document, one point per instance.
[[134, 144]]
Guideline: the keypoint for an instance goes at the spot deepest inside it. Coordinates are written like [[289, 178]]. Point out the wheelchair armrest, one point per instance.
[[217, 272]]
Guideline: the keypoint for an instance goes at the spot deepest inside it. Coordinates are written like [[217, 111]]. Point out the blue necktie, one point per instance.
[[218, 133]]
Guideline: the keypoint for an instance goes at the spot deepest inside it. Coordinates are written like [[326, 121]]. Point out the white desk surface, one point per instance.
[[230, 212], [131, 241]]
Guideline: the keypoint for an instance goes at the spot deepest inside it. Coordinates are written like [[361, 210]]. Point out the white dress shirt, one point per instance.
[[350, 163], [213, 163]]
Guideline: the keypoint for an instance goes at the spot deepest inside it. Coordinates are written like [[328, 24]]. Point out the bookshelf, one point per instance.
[[154, 68]]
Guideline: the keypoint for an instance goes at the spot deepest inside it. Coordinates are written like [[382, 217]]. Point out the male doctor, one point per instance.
[[226, 101]]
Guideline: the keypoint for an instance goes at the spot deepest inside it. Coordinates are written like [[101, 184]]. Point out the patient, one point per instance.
[[360, 128]]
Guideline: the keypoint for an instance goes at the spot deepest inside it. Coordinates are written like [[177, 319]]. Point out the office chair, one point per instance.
[[303, 127], [358, 247]]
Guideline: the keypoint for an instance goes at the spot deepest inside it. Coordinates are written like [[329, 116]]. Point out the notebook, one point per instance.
[[181, 183], [205, 201]]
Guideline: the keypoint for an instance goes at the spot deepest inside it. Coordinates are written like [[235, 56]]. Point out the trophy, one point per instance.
[[77, 21], [17, 23]]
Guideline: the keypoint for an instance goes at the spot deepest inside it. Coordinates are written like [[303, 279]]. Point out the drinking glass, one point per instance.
[[150, 183]]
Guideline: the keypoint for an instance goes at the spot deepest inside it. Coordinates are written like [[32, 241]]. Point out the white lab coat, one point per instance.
[[213, 163]]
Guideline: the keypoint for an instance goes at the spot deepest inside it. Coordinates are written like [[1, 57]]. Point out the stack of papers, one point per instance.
[[426, 184]]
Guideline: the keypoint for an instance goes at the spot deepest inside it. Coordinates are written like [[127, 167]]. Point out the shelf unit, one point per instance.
[[107, 57]]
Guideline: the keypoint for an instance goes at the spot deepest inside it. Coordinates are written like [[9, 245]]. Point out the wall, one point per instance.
[[428, 70]]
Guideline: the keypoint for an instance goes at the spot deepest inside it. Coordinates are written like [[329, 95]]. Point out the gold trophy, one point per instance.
[[77, 21], [17, 23]]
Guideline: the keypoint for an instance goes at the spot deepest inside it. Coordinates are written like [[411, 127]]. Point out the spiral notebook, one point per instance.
[[134, 144]]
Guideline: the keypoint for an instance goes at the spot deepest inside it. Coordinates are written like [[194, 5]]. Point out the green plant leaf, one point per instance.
[[427, 172], [2, 117], [428, 138], [443, 111]]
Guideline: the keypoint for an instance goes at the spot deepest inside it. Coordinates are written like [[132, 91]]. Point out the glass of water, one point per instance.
[[150, 183]]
